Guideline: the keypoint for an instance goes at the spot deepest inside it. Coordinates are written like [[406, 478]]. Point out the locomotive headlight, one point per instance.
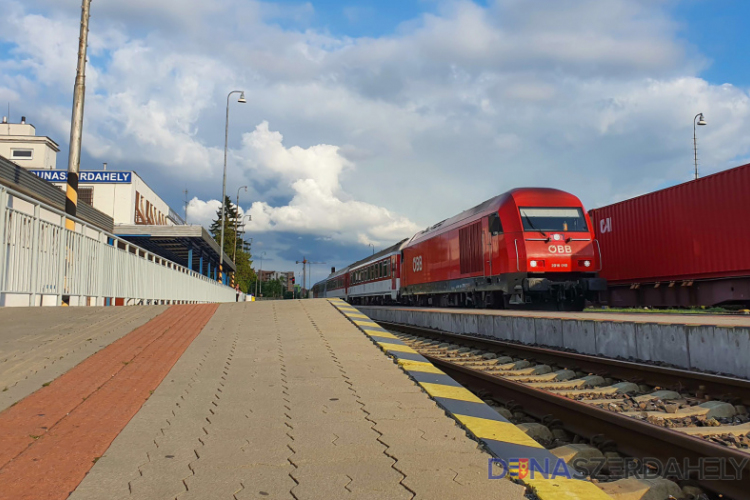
[[532, 263], [586, 263]]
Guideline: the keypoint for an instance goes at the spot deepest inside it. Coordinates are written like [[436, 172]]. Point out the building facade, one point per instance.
[[20, 144], [286, 278], [123, 195]]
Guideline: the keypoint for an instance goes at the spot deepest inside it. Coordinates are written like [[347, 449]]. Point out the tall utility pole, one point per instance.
[[76, 125], [76, 132], [187, 202], [304, 263]]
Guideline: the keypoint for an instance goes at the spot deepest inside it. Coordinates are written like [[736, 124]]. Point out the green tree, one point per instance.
[[243, 261]]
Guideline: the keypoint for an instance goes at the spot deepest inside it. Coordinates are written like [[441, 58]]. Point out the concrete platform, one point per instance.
[[284, 399], [711, 343]]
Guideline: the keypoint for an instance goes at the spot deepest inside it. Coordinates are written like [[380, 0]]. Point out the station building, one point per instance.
[[117, 201], [20, 144]]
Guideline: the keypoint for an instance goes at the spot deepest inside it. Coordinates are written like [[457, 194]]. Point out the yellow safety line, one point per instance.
[[418, 366], [396, 347], [378, 333], [497, 431], [561, 488], [359, 322], [450, 392]]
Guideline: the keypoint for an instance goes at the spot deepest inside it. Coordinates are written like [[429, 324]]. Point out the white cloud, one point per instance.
[[318, 205], [202, 212], [452, 107]]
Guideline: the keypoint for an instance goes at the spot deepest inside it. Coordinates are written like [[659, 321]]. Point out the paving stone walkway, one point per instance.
[[39, 344], [289, 400]]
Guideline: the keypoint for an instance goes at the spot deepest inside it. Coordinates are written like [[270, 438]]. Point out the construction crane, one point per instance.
[[305, 263]]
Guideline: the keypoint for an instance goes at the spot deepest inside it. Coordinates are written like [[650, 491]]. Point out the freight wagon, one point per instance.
[[687, 245]]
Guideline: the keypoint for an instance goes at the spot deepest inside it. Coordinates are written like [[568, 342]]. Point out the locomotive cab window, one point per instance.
[[495, 225], [553, 219]]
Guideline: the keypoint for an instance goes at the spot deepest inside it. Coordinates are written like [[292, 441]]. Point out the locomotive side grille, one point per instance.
[[470, 248]]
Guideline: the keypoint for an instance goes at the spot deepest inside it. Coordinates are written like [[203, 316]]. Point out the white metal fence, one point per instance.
[[41, 261]]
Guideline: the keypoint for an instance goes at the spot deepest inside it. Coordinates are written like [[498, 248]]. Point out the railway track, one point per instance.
[[642, 411]]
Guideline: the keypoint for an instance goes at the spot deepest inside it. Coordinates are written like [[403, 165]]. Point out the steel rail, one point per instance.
[[633, 437], [718, 386]]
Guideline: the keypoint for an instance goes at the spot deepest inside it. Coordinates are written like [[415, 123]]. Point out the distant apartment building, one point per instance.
[[286, 278]]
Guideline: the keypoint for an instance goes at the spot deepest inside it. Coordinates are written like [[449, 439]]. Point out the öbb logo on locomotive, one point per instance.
[[560, 249], [416, 264], [529, 247]]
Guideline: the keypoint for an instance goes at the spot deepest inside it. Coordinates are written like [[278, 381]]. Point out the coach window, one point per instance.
[[496, 227]]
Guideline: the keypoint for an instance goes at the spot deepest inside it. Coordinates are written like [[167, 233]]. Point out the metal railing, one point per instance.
[[41, 261]]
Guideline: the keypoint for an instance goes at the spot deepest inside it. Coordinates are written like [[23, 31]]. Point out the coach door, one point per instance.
[[393, 271], [494, 230]]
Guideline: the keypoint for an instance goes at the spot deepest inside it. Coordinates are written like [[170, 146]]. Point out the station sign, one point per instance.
[[86, 176]]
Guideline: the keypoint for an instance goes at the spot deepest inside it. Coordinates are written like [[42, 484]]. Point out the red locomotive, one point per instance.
[[528, 247]]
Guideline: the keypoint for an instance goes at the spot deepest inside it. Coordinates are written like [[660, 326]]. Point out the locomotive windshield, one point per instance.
[[553, 219]]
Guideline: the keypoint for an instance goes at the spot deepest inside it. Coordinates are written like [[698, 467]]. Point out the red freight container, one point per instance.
[[684, 245]]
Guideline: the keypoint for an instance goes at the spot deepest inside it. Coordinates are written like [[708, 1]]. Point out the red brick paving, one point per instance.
[[50, 440]]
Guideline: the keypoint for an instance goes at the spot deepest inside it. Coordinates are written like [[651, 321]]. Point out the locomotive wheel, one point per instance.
[[576, 304]]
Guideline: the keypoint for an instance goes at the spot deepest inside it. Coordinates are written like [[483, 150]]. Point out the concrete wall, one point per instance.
[[705, 348]]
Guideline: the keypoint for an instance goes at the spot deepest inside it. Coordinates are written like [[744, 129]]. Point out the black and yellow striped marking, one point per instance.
[[71, 200], [71, 208], [500, 436]]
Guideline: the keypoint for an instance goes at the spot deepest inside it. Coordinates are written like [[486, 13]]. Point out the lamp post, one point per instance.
[[234, 253], [373, 248], [701, 121], [236, 231], [224, 181]]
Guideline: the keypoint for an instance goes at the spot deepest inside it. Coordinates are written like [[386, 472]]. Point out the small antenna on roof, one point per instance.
[[186, 203]]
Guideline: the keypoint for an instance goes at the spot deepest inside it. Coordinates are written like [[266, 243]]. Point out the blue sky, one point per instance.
[[368, 120], [718, 28]]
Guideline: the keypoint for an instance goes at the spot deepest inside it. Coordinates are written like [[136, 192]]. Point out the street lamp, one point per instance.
[[224, 182], [236, 232], [234, 253], [701, 121]]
